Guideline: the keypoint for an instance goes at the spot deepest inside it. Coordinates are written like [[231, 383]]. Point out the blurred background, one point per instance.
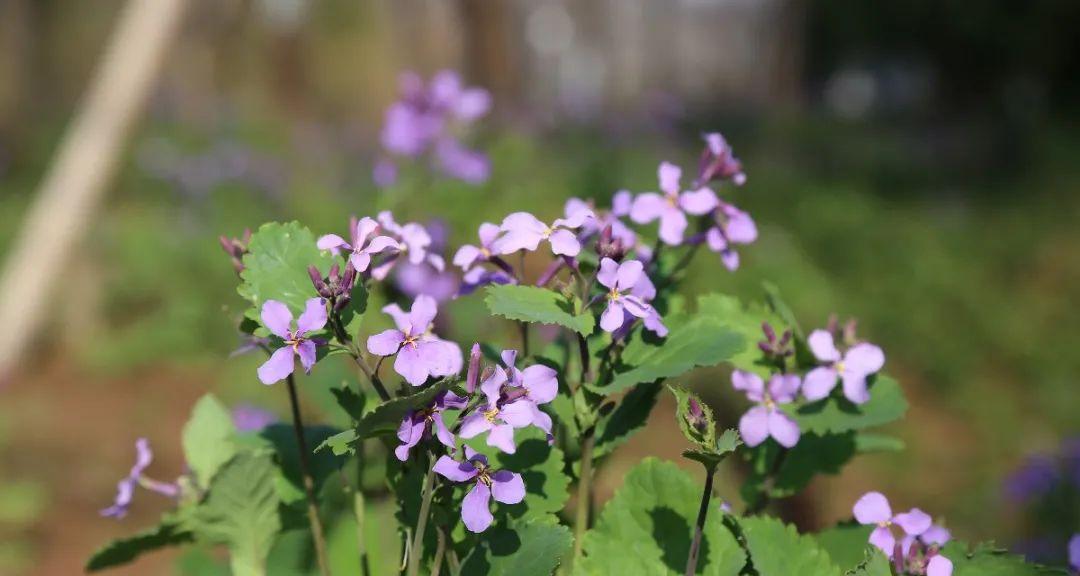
[[913, 164]]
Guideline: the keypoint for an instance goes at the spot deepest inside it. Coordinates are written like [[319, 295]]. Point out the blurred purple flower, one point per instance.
[[853, 367], [767, 419], [249, 418], [418, 424], [505, 486], [420, 354], [672, 206], [278, 319], [125, 489]]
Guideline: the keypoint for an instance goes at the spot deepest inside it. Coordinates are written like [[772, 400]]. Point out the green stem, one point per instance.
[[703, 511], [417, 550], [584, 495], [309, 483]]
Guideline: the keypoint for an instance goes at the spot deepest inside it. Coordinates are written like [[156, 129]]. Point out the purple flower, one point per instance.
[[277, 318], [420, 353], [672, 206], [732, 226], [873, 510], [248, 418], [125, 489], [621, 279], [515, 407], [1074, 552], [523, 231], [718, 162], [417, 424], [366, 242], [767, 419], [505, 486], [859, 362]]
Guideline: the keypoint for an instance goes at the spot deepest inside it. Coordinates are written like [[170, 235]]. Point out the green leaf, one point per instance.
[[837, 414], [208, 439], [533, 548], [846, 543], [547, 487], [647, 528], [631, 415], [275, 267], [692, 341], [241, 511], [988, 560], [124, 550], [539, 305], [777, 549], [699, 429]]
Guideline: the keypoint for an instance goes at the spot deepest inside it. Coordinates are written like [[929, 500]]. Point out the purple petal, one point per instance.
[[864, 359], [873, 508], [474, 425], [564, 243], [306, 352], [410, 365], [612, 318], [647, 207], [385, 343], [672, 226], [502, 437], [784, 387], [455, 471], [750, 383], [914, 521], [942, 566], [821, 344], [629, 273], [698, 202], [277, 318], [542, 383], [474, 508], [314, 316], [507, 487], [332, 242], [669, 176], [278, 366], [783, 429], [608, 275], [818, 383], [883, 538], [754, 426]]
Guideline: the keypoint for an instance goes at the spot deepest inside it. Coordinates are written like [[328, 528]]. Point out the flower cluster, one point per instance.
[[426, 121], [918, 552]]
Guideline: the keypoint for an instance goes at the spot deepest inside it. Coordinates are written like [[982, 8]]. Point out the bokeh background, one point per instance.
[[913, 164]]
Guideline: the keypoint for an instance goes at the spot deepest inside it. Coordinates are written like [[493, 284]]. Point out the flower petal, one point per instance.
[[754, 426], [507, 487], [277, 318], [818, 383], [821, 344], [474, 508], [385, 343], [278, 366], [872, 508]]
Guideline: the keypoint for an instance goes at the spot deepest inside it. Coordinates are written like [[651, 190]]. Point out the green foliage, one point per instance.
[[208, 439], [123, 550], [837, 414], [989, 560], [241, 511], [537, 305], [531, 548], [777, 549], [275, 267], [648, 526]]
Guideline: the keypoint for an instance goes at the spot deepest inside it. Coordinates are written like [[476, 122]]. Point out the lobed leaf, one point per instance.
[[537, 305]]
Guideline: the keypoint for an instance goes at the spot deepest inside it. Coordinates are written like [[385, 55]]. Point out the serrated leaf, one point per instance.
[[989, 560], [537, 305], [241, 511], [275, 267], [777, 549], [846, 544], [547, 487], [533, 548], [836, 414], [124, 550], [208, 439], [648, 526], [631, 415], [691, 342]]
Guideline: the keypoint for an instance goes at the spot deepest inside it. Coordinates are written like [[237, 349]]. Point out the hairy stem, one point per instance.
[[703, 511], [417, 549], [584, 495], [309, 482]]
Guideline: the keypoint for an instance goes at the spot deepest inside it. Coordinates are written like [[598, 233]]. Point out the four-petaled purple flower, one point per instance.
[[718, 162], [277, 318], [767, 419], [366, 242], [732, 226], [853, 367], [672, 206], [505, 486], [418, 424], [125, 489], [420, 353], [621, 280], [523, 231]]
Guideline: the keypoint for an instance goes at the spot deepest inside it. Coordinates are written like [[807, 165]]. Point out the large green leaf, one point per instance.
[[837, 414], [989, 560], [547, 487], [533, 548], [241, 511], [539, 305], [275, 267], [208, 439], [631, 415], [124, 550], [777, 549], [647, 528]]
